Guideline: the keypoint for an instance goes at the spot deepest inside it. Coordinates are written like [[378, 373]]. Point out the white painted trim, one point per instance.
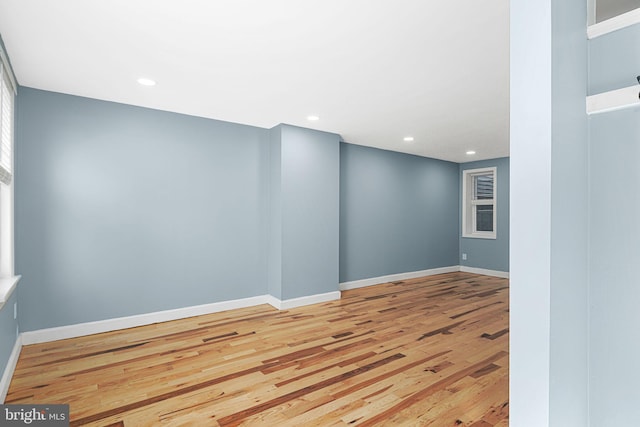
[[89, 328], [302, 301], [10, 368], [7, 286], [394, 277], [6, 66], [468, 204], [613, 100], [108, 325], [613, 24], [274, 302], [484, 271]]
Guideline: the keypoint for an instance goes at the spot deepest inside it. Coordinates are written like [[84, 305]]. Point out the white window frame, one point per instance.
[[8, 279], [469, 205]]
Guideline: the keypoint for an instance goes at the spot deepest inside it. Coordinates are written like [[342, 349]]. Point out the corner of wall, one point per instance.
[[9, 368]]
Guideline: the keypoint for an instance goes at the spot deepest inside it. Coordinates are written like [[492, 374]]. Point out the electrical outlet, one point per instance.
[[464, 257], [15, 310]]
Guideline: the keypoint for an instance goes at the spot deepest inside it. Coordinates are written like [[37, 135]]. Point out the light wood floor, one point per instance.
[[429, 351]]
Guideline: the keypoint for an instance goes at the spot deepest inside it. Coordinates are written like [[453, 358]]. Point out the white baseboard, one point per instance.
[[90, 328], [8, 370], [422, 273], [394, 277], [299, 302], [484, 271], [108, 325], [273, 302]]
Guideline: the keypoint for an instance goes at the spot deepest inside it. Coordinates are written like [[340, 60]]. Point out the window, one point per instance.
[[7, 102], [479, 203], [6, 126]]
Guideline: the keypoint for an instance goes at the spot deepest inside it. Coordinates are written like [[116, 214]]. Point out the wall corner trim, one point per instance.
[[484, 271], [302, 301], [10, 368], [400, 276]]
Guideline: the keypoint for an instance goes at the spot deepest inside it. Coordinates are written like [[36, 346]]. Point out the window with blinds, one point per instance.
[[479, 203], [6, 126], [7, 105]]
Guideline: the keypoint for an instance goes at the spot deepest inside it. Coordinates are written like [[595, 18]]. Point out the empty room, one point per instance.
[[225, 213]]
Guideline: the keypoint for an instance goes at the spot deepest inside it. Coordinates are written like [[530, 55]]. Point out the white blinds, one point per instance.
[[6, 126], [483, 186]]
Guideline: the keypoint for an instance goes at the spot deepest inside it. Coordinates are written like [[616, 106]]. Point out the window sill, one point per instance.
[[616, 23], [479, 236], [613, 100], [7, 286]]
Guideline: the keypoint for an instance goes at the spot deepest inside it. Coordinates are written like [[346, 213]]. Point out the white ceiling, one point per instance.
[[375, 71]]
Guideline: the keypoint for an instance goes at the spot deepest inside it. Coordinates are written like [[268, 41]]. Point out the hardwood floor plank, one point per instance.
[[430, 390], [235, 419], [423, 351]]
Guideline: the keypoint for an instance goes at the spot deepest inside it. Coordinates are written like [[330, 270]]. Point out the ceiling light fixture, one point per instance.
[[313, 118], [470, 153], [146, 82], [408, 139]]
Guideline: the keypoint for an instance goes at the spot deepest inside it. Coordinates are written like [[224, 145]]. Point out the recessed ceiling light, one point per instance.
[[408, 139], [313, 118], [146, 82], [470, 153]]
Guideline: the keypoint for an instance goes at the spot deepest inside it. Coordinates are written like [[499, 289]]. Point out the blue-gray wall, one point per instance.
[[491, 254], [611, 65], [123, 210], [303, 212], [568, 356], [274, 233], [398, 213], [615, 235], [310, 189], [8, 334], [548, 264]]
